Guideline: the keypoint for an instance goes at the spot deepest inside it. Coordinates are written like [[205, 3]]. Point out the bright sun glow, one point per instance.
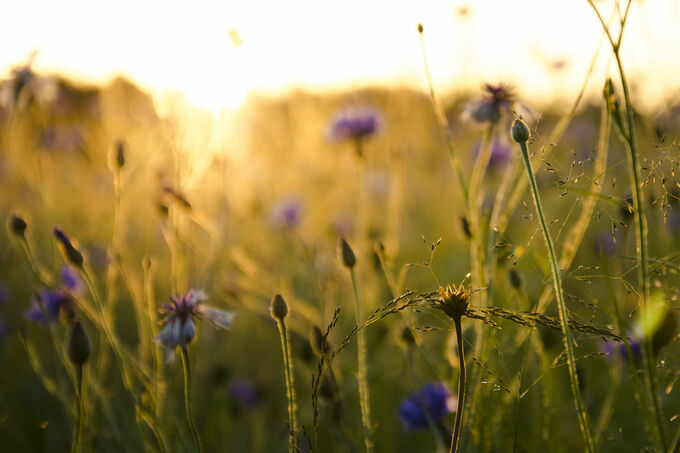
[[216, 52]]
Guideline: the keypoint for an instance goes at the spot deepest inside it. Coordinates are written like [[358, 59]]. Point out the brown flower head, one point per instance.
[[453, 301]]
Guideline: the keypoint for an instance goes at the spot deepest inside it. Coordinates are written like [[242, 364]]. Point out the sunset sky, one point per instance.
[[216, 52]]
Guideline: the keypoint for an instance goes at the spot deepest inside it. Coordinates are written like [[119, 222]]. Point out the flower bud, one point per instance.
[[407, 337], [520, 131], [72, 254], [17, 225], [465, 225], [316, 340], [120, 155], [78, 345], [278, 308], [515, 278], [348, 257], [420, 28]]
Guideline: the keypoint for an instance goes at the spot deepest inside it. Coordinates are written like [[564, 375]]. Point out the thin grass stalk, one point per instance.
[[584, 423], [461, 386], [187, 397], [362, 372], [630, 142]]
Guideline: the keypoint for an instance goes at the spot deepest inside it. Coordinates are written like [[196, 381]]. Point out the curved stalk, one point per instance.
[[187, 397], [461, 387]]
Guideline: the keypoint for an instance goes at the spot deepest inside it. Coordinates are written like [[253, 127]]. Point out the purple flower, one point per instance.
[[244, 393], [615, 350], [53, 302], [607, 242], [500, 153], [498, 101], [429, 405], [355, 123], [180, 314], [287, 213], [71, 280]]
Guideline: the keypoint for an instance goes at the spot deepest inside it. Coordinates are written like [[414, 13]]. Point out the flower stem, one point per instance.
[[78, 419], [461, 387], [290, 384], [362, 374], [187, 397], [584, 423]]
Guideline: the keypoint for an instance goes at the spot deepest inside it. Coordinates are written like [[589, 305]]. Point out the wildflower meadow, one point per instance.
[[379, 269]]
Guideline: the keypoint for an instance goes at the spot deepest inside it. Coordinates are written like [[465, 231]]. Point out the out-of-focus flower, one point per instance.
[[430, 405], [53, 302], [179, 328], [607, 242], [500, 153], [616, 350], [355, 124], [498, 101], [244, 393], [287, 213], [72, 282], [343, 225]]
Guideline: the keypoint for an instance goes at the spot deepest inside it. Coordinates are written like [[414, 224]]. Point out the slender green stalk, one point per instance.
[[362, 373], [78, 420], [461, 387], [584, 423], [187, 397], [290, 384], [630, 141]]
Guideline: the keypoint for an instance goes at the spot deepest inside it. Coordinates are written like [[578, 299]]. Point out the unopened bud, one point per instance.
[[420, 28], [78, 345], [348, 257], [120, 155], [17, 225], [316, 340], [520, 131], [465, 225], [407, 337], [72, 254], [515, 279], [278, 308]]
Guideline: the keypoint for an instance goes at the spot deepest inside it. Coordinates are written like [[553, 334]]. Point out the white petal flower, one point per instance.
[[170, 336]]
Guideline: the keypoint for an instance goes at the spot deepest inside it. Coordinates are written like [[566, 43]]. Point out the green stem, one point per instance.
[[461, 387], [187, 397], [290, 385], [78, 419], [364, 393], [630, 142], [584, 423]]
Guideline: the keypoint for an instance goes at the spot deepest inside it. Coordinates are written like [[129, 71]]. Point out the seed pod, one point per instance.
[[465, 225], [78, 345], [316, 340], [348, 257], [407, 336], [278, 307]]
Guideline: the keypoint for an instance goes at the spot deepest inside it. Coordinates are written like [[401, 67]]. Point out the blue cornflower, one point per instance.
[[428, 406], [616, 350], [287, 213], [53, 302], [498, 102], [355, 123], [500, 153], [244, 393], [180, 313], [72, 282]]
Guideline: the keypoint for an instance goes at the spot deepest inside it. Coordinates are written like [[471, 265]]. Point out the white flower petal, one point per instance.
[[188, 331], [169, 336], [219, 318]]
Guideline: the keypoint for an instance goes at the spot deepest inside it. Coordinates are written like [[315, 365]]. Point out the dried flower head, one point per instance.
[[70, 252], [180, 313], [453, 301]]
